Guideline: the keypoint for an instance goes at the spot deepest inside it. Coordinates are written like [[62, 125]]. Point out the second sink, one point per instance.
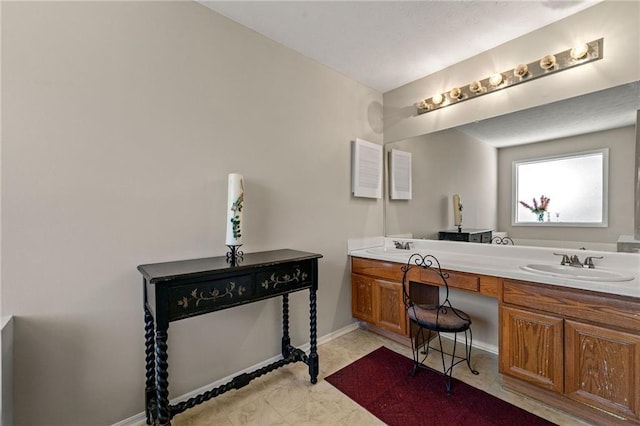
[[583, 274]]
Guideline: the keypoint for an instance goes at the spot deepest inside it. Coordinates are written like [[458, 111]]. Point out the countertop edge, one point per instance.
[[513, 271]]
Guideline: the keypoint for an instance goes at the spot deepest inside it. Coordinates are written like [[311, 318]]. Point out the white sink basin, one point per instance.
[[389, 251], [574, 273]]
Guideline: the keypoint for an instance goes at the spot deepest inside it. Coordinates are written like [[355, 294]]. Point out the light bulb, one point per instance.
[[437, 99], [547, 62], [580, 51], [475, 87], [455, 93], [495, 79], [521, 70]]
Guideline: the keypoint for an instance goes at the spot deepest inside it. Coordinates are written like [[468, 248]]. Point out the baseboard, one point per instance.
[[478, 345], [6, 370], [140, 417]]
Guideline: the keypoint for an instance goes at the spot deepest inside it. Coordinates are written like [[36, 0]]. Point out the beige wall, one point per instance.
[[621, 143], [120, 123], [618, 22], [637, 180], [445, 163]]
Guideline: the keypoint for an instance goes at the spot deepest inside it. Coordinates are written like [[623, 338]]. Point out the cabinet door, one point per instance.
[[531, 347], [603, 368], [391, 313], [362, 294]]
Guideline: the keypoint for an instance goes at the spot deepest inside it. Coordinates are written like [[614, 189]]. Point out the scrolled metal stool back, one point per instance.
[[426, 261], [505, 241]]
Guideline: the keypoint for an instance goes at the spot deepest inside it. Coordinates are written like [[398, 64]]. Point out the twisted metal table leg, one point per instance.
[[286, 340], [313, 353], [150, 364], [162, 379]]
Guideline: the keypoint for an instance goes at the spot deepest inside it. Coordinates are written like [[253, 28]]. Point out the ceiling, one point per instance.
[[594, 112], [386, 44]]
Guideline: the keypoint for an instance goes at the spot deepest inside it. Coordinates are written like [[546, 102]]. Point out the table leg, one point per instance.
[[286, 340], [150, 384], [162, 378], [313, 353]]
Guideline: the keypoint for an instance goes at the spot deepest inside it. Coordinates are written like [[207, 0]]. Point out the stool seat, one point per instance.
[[442, 318]]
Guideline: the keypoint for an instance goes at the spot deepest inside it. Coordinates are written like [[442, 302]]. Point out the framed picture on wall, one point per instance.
[[400, 175], [366, 169]]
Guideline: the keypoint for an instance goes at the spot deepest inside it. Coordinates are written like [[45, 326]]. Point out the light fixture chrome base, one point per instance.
[[550, 64]]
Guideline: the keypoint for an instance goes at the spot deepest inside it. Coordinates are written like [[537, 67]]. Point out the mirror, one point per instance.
[[475, 161]]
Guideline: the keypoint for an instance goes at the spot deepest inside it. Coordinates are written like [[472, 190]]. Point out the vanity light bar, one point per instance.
[[521, 73]]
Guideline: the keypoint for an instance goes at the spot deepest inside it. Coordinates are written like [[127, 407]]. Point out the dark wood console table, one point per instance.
[[186, 288], [467, 234]]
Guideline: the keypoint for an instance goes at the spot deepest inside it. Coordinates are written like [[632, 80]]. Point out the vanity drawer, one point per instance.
[[618, 311], [377, 268], [455, 280]]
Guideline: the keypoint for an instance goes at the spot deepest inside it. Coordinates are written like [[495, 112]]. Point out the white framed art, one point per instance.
[[400, 175], [366, 169]]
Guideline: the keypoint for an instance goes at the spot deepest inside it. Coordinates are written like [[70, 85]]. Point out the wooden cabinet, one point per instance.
[[362, 304], [390, 310], [581, 347], [602, 368], [532, 348], [573, 349], [377, 298], [378, 302]]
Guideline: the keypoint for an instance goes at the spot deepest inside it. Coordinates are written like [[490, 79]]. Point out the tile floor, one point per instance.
[[285, 396]]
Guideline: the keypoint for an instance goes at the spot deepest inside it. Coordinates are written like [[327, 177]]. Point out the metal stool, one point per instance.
[[435, 318]]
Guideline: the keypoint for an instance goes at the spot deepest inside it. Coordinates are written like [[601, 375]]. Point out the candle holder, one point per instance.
[[234, 255]]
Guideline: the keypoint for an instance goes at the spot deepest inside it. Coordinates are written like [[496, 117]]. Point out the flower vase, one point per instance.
[[541, 217]]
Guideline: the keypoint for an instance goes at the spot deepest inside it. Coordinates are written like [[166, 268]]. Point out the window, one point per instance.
[[574, 184]]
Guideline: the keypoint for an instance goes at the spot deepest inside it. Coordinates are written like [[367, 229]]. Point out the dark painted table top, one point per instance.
[[466, 231], [156, 273]]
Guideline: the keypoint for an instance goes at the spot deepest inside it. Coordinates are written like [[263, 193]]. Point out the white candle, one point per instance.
[[457, 210], [235, 203]]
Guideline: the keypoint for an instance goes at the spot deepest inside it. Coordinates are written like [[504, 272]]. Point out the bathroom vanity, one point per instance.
[[568, 337]]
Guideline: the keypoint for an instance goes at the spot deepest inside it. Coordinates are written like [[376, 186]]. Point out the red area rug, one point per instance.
[[380, 382]]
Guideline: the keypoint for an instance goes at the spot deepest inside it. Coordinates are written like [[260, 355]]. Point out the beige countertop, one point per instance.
[[508, 261]]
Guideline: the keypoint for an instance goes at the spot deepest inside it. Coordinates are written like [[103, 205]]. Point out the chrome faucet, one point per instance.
[[565, 259], [588, 262], [403, 246], [575, 261]]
